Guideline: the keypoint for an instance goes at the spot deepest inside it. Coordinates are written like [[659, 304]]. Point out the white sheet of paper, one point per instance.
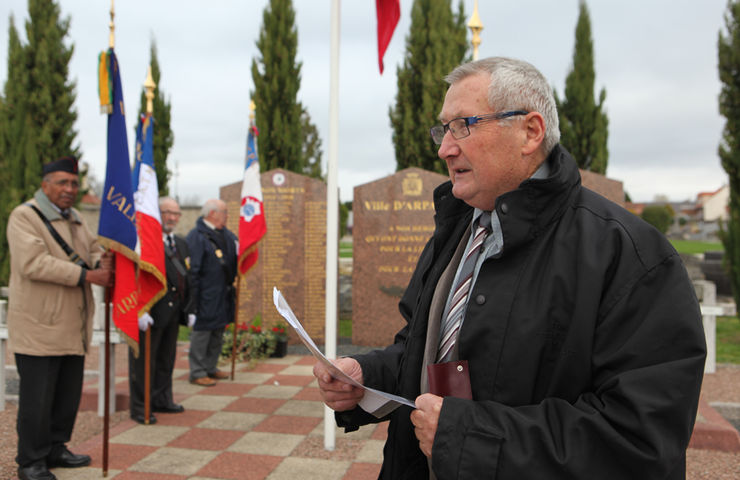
[[374, 400]]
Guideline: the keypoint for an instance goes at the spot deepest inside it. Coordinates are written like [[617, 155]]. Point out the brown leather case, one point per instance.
[[450, 379]]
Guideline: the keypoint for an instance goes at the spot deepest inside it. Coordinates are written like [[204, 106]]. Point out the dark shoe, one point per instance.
[[139, 418], [219, 375], [68, 459], [37, 471], [203, 381], [173, 408]]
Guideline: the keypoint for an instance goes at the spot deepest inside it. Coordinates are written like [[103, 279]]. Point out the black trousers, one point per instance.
[[163, 352], [49, 397]]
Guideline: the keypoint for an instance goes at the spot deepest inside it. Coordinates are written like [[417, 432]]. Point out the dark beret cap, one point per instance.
[[64, 164]]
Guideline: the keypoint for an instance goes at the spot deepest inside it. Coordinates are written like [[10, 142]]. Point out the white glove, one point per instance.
[[144, 322], [191, 320]]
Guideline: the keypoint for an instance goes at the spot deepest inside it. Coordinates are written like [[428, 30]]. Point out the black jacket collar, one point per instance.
[[523, 212]]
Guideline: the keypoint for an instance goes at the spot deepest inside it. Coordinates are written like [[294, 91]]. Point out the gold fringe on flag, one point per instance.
[[105, 85]]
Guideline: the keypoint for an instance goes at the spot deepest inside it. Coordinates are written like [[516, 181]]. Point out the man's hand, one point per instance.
[[191, 320], [425, 419], [106, 260], [100, 276], [145, 321], [105, 273], [338, 395]]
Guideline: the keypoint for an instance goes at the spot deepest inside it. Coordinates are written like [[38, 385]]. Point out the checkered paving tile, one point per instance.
[[266, 424]]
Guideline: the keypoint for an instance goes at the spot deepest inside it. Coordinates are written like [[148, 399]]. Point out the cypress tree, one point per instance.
[[277, 78], [12, 140], [728, 48], [164, 137], [50, 95], [583, 122], [13, 117], [436, 44]]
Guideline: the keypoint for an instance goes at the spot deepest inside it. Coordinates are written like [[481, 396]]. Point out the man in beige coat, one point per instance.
[[50, 314]]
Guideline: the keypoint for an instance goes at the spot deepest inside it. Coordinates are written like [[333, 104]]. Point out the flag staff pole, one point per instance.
[[239, 276], [236, 321], [106, 383], [149, 86], [332, 216], [108, 295]]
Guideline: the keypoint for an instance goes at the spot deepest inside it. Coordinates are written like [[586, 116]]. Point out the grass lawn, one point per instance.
[[345, 249], [728, 340], [345, 327], [690, 246], [183, 335]]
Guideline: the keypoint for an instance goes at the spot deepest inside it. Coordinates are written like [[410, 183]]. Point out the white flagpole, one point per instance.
[[332, 215]]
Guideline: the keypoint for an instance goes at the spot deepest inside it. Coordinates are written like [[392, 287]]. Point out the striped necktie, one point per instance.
[[453, 315]]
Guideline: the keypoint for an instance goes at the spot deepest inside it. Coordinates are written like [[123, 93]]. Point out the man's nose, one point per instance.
[[448, 147]]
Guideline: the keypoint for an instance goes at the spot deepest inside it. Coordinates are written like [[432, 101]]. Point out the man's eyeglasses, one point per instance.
[[458, 127]]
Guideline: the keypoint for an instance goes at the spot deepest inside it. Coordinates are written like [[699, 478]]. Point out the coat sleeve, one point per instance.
[[96, 250], [634, 422], [380, 367], [196, 251], [32, 254]]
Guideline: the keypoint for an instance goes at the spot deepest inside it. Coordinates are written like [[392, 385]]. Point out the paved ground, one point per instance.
[[266, 424]]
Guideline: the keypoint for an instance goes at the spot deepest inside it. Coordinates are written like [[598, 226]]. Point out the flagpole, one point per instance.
[[332, 216], [149, 86], [106, 382], [236, 320], [108, 295]]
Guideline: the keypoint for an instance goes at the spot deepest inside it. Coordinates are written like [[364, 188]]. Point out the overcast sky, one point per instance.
[[657, 60]]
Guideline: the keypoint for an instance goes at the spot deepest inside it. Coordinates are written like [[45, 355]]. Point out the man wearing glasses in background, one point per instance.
[[54, 259], [573, 320], [172, 310]]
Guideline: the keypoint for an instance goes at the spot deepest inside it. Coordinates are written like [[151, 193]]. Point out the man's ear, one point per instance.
[[534, 127]]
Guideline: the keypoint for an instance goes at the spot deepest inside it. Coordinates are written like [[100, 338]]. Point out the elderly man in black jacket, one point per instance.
[[574, 320], [171, 311], [213, 250]]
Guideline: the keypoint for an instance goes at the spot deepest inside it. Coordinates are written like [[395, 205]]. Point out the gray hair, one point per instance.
[[211, 205], [515, 85], [165, 200]]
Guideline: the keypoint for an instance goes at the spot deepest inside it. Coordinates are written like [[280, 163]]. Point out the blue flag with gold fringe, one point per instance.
[[117, 227]]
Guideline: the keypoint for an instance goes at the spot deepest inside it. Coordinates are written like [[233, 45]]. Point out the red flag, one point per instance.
[[389, 11], [251, 213]]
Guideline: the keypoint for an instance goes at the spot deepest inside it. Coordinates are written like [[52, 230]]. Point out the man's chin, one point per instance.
[[460, 192]]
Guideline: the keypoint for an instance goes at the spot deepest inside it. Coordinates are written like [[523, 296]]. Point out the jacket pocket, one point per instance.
[[51, 309]]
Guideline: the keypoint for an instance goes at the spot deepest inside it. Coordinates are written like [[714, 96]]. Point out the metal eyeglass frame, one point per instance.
[[439, 131]]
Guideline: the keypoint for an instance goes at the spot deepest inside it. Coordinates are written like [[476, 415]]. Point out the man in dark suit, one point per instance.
[[166, 315]]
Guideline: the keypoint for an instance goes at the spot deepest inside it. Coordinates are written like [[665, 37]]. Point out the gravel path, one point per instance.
[[723, 386]]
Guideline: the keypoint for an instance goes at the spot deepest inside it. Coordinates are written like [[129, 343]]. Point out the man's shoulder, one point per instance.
[[613, 220], [24, 209], [193, 233]]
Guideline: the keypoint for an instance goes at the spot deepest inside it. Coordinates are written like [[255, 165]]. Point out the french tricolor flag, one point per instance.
[[251, 212], [152, 277]]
